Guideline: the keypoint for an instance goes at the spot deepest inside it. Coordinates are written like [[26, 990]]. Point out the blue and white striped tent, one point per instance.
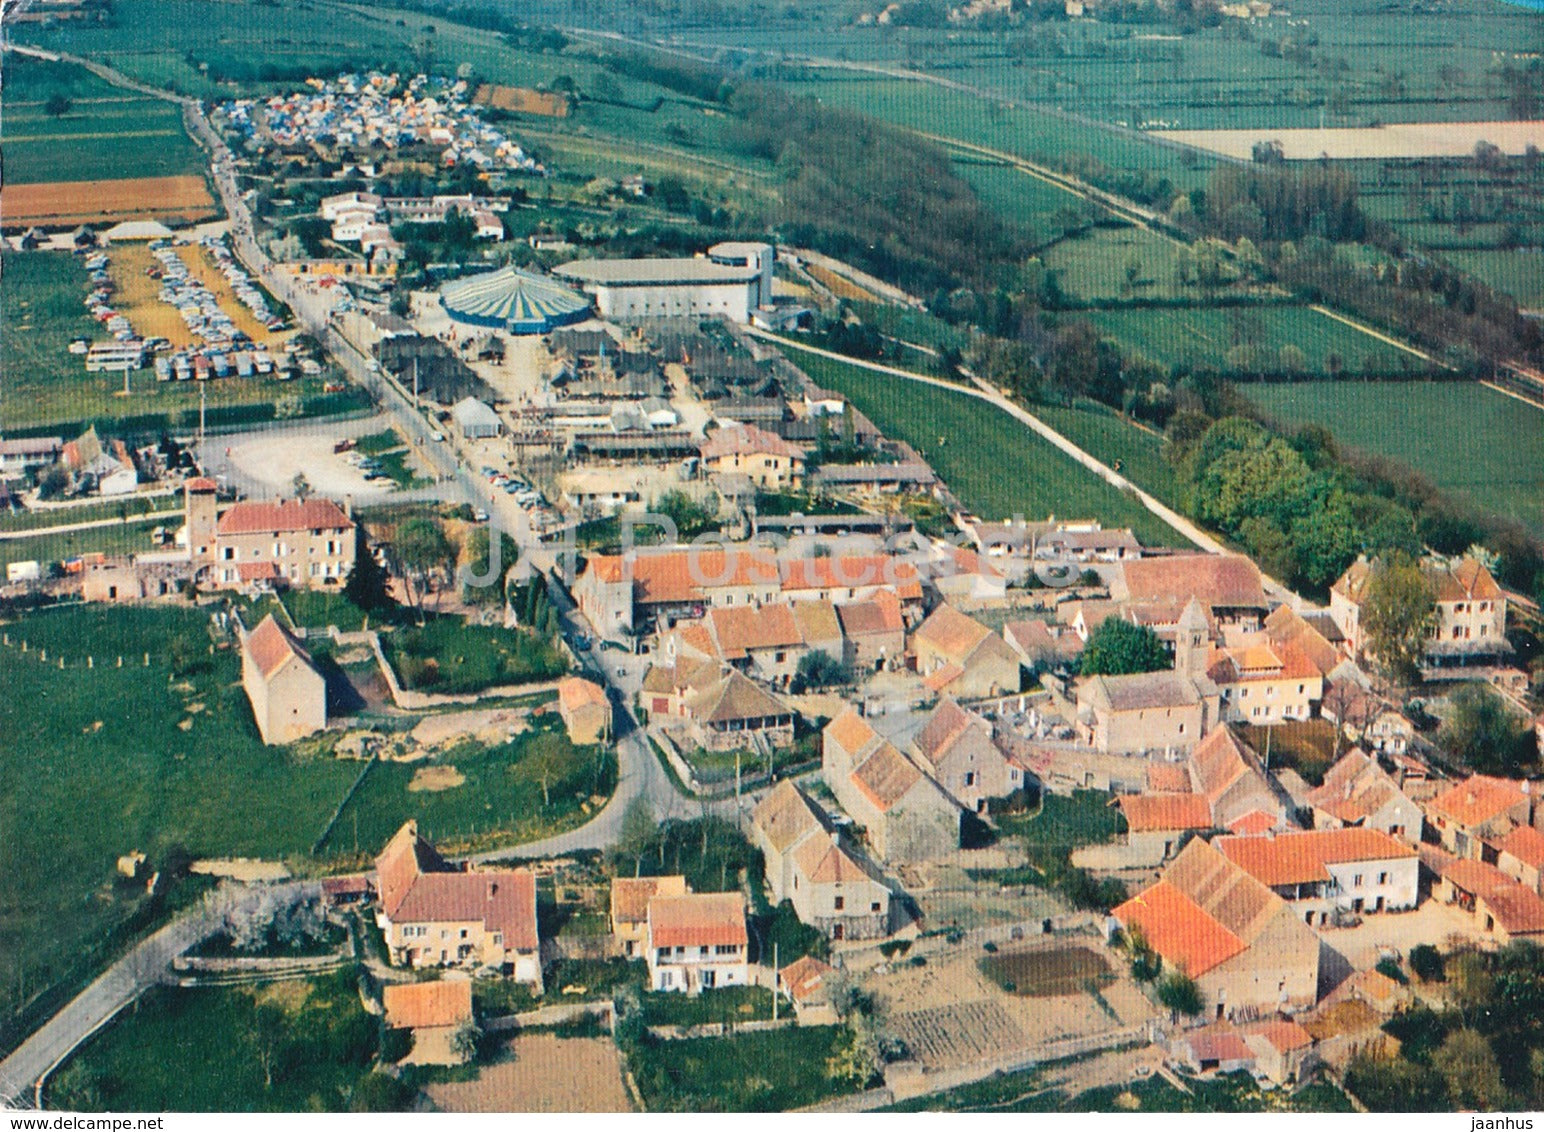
[[515, 301]]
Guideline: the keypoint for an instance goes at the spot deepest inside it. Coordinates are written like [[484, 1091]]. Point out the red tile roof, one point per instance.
[[1177, 928], [1147, 813], [878, 614], [804, 979], [885, 776], [1526, 844], [274, 516], [418, 1006], [575, 692], [697, 919], [1305, 857], [271, 647], [417, 885], [748, 440], [1216, 580], [952, 633], [630, 896], [1477, 800], [1255, 823], [1168, 778], [850, 731]]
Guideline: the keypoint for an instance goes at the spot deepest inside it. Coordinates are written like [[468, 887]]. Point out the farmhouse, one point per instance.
[[956, 749], [766, 459], [905, 814], [1227, 586], [630, 898], [961, 657], [1502, 907], [718, 708], [696, 942], [873, 632], [1265, 683], [1158, 824], [1475, 811], [1520, 855], [1041, 646], [297, 542], [287, 693], [1324, 873], [1236, 786], [1246, 949], [1358, 793], [768, 641], [436, 915], [806, 863], [807, 983], [619, 594]]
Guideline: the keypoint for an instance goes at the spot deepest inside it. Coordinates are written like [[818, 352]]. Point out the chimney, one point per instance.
[[493, 890], [348, 505]]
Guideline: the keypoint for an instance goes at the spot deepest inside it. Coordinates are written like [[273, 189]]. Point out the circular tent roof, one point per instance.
[[513, 300]]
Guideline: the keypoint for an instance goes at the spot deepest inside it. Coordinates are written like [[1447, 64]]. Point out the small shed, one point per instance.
[[475, 419]]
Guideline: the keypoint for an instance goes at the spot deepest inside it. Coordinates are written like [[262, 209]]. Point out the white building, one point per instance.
[[1325, 871], [729, 285], [697, 942]]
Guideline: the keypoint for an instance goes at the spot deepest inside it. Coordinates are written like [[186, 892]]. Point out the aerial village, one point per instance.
[[883, 698]]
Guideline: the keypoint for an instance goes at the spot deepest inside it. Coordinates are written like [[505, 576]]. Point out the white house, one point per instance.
[[1322, 872], [697, 942]]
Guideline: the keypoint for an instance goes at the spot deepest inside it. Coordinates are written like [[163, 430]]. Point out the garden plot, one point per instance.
[[541, 1073], [941, 1037]]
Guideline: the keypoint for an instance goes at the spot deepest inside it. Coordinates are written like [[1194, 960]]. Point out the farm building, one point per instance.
[[436, 915], [513, 300], [432, 1013], [585, 710], [287, 693], [475, 419]]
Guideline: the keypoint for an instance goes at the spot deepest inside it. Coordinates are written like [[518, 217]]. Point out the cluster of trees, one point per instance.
[[870, 193], [1483, 1051], [1486, 734], [1288, 502], [265, 920], [1120, 647], [1268, 201]]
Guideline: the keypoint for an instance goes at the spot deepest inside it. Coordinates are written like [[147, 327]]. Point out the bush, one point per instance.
[[1390, 968], [1426, 961]]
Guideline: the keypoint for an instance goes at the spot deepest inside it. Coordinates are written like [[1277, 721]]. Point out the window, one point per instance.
[[970, 778], [1356, 880], [874, 907], [1383, 878], [841, 902]]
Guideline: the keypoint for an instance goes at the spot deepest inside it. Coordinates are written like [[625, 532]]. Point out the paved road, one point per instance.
[[23, 1072]]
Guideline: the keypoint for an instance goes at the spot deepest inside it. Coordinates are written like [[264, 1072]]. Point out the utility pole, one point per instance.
[[775, 969]]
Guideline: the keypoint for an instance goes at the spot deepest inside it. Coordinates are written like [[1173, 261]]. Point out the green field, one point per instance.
[[1204, 337], [105, 741], [761, 1072], [1466, 438], [1113, 440], [106, 133], [1518, 273], [315, 1037], [1123, 263], [996, 466], [1043, 209]]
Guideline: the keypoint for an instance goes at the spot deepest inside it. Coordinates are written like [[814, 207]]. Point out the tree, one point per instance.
[[1146, 964], [817, 669], [300, 486], [1483, 733], [366, 583], [53, 483], [57, 105], [1398, 614], [464, 1042], [1178, 992], [269, 1038], [637, 832], [1119, 647], [421, 548], [856, 1059], [1466, 1061]]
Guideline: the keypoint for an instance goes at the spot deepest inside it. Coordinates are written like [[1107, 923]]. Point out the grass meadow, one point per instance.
[[1203, 336], [997, 467], [165, 758], [1466, 438]]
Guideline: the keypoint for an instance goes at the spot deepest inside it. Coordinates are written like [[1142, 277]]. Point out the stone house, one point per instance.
[[830, 887], [873, 632], [287, 693], [630, 898], [1150, 711], [305, 543], [585, 710], [437, 915], [1357, 792], [959, 656], [1469, 815], [956, 749], [1246, 949], [905, 814], [1324, 872]]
